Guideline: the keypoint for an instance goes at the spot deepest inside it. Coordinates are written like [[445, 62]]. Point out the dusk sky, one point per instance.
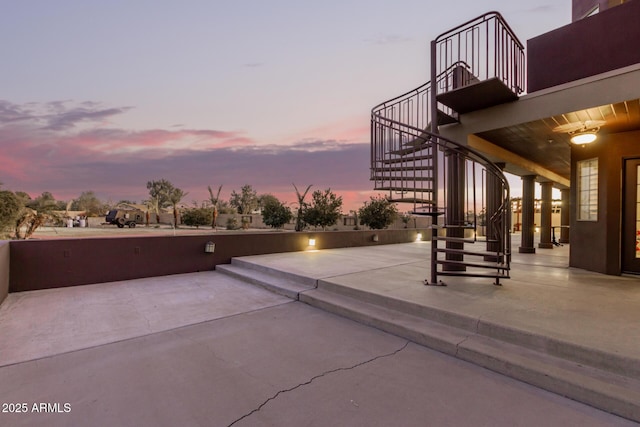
[[107, 95]]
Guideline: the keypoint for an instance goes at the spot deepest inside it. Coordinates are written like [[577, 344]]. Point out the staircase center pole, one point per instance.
[[433, 104]]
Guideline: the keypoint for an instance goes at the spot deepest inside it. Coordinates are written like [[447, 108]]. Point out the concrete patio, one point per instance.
[[210, 349]]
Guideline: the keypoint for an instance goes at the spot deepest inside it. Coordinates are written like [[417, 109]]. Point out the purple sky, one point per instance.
[[106, 96]]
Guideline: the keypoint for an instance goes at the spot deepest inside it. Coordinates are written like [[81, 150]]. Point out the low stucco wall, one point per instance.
[[44, 264], [4, 269]]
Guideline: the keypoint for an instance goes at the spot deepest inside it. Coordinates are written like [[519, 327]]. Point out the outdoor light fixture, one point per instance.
[[312, 241], [419, 237], [584, 137], [375, 238], [209, 247]]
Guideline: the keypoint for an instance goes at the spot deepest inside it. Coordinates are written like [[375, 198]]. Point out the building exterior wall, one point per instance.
[[585, 48], [597, 246]]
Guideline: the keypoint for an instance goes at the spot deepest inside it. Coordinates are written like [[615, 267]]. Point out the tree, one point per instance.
[[159, 192], [175, 196], [378, 213], [299, 218], [89, 203], [10, 207], [324, 210], [35, 214], [164, 194], [246, 201], [195, 217], [275, 214], [215, 202]]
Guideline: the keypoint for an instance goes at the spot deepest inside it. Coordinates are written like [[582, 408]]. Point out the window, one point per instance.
[[588, 190]]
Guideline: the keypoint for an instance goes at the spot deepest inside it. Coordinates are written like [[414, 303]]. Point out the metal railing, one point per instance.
[[483, 48]]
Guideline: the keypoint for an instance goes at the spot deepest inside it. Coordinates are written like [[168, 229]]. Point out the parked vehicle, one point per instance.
[[122, 218]]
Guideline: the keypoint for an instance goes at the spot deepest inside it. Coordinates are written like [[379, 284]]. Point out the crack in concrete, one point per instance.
[[263, 404], [458, 346]]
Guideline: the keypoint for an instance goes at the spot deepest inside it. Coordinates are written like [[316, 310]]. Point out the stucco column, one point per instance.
[[565, 215], [528, 208], [455, 206], [545, 216]]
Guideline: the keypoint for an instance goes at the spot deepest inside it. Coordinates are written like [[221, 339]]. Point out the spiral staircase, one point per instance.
[[476, 65]]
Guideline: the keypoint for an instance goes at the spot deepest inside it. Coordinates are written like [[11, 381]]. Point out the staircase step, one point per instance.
[[409, 150], [501, 267], [469, 252], [406, 159], [597, 387], [455, 239], [401, 178], [407, 168], [472, 274], [412, 200], [404, 189]]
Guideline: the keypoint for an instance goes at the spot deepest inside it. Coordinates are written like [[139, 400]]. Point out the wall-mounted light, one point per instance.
[[210, 247], [419, 237], [312, 241], [584, 137], [375, 238], [537, 229]]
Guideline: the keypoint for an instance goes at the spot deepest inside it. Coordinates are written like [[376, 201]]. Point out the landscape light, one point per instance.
[[209, 247], [419, 237], [375, 238], [312, 241]]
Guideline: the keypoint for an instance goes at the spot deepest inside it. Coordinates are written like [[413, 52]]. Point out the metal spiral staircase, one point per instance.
[[474, 66]]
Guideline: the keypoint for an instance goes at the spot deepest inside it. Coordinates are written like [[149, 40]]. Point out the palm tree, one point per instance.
[[214, 202], [175, 196], [299, 221]]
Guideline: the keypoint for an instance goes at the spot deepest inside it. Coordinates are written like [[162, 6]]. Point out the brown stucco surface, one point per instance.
[[585, 48], [43, 264]]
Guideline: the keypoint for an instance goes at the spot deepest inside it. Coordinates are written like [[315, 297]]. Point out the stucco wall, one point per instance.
[[596, 246], [585, 48], [4, 269], [42, 264]]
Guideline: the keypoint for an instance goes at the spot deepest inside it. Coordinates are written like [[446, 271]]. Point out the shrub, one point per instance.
[[378, 213], [275, 214], [195, 217]]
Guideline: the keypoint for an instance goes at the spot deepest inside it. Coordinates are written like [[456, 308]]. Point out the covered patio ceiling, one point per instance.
[[537, 141]]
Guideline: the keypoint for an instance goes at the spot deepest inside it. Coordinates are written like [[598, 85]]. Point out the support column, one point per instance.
[[528, 209], [545, 216], [565, 215], [494, 200], [455, 207]]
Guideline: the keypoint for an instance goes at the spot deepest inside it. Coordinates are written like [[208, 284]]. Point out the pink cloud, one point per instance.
[[116, 163]]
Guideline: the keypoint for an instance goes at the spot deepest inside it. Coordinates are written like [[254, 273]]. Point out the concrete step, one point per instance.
[[604, 380], [601, 360], [274, 282], [602, 389]]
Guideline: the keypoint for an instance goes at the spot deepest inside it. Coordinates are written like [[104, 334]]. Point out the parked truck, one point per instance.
[[125, 218]]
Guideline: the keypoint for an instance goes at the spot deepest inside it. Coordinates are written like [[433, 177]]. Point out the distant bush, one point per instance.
[[232, 223], [196, 217]]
